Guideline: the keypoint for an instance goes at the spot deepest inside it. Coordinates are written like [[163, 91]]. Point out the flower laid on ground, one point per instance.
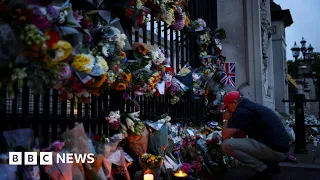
[[151, 162]]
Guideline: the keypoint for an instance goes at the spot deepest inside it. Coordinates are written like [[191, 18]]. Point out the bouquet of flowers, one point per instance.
[[150, 162]]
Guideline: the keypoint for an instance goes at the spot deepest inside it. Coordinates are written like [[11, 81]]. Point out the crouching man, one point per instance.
[[267, 144]]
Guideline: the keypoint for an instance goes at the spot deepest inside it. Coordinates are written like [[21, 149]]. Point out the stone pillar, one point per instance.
[[280, 20], [248, 27]]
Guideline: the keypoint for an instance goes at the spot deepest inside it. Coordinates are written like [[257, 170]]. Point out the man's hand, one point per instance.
[[226, 116]]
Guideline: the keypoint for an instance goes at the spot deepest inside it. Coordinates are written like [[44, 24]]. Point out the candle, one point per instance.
[[180, 173], [148, 177]]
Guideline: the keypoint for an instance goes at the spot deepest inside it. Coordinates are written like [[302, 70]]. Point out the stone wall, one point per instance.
[[248, 27]]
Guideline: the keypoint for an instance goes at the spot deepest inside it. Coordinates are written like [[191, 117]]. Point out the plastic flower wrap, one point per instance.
[[76, 139], [9, 171], [106, 146]]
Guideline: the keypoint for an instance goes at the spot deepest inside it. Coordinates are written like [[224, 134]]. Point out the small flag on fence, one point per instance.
[[229, 74]]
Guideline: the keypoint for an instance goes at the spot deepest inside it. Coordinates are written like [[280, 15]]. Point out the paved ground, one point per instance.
[[306, 168]]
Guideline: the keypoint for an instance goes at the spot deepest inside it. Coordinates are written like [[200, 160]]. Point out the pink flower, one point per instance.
[[185, 167], [57, 146], [77, 16]]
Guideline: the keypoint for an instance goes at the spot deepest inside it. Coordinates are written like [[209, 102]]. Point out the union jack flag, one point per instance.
[[229, 74]]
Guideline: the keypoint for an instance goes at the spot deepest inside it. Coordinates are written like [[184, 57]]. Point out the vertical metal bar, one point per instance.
[[130, 35], [144, 32], [182, 47], [159, 33], [173, 61], [300, 146], [136, 36], [177, 62], [152, 21], [165, 39]]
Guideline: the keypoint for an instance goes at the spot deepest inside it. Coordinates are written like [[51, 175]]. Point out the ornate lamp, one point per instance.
[[310, 49], [295, 50], [303, 46]]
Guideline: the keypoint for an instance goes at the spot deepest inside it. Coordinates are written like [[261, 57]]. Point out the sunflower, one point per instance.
[[102, 80], [121, 86], [125, 76]]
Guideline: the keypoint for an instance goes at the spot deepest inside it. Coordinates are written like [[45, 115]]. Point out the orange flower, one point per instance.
[[95, 93], [102, 80], [121, 87], [125, 77], [206, 92], [141, 49], [123, 55], [187, 21]]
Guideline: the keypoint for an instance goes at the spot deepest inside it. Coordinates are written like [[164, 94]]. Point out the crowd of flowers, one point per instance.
[[161, 146], [57, 47]]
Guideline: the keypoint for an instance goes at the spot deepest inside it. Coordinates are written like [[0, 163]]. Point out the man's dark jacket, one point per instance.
[[260, 123]]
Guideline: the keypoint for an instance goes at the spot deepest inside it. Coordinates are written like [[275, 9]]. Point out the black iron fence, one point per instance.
[[300, 127], [49, 117]]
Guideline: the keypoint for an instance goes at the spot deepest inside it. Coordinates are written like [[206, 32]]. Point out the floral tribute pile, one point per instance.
[[159, 147], [47, 44]]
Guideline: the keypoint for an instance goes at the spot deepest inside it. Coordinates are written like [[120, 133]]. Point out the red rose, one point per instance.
[[96, 138], [54, 38]]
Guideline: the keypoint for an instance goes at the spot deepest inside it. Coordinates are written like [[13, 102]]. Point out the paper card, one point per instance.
[[161, 87], [176, 140], [128, 157], [190, 132]]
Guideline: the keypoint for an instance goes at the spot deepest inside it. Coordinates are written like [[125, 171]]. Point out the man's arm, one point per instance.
[[226, 131]]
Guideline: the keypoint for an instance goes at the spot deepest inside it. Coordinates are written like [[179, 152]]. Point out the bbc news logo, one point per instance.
[[47, 158]]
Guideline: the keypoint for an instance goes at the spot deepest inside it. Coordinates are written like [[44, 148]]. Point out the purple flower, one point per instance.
[[57, 146], [40, 22], [180, 20], [36, 11], [53, 12]]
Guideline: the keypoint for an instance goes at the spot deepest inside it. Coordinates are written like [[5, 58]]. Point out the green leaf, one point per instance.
[[92, 12]]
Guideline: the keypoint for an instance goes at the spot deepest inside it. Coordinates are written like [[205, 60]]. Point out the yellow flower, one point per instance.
[[187, 21], [63, 50], [83, 62]]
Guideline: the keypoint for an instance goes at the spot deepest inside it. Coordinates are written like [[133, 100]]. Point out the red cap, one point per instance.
[[229, 97]]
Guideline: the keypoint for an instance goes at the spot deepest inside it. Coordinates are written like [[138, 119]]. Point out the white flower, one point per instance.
[[129, 122], [119, 136], [63, 16], [19, 73], [102, 63], [120, 40], [105, 50]]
